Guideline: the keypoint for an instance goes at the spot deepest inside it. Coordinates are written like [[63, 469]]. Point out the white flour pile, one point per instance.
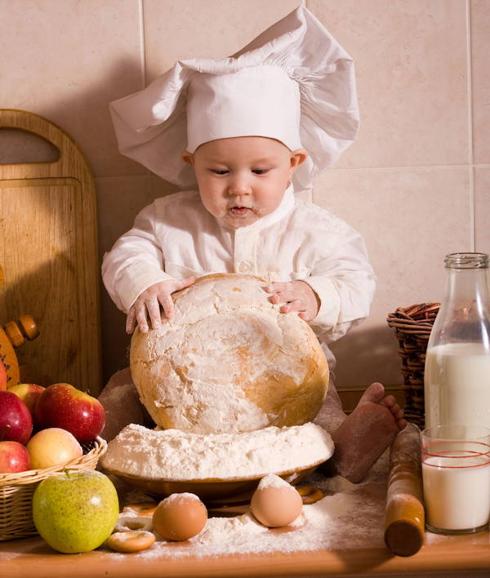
[[177, 455]]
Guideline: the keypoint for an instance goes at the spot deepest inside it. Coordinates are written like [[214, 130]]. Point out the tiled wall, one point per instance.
[[416, 183]]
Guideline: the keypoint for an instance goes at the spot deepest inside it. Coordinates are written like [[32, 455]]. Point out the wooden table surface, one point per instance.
[[352, 545], [449, 555]]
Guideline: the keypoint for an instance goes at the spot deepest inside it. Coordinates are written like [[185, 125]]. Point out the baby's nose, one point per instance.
[[239, 185]]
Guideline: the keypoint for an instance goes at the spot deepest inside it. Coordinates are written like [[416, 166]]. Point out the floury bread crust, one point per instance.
[[228, 361]]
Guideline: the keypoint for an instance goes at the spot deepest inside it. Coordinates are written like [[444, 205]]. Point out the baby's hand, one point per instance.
[[151, 301], [295, 296]]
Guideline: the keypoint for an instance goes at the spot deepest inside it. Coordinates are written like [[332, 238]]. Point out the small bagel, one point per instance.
[[129, 542], [310, 494], [126, 523]]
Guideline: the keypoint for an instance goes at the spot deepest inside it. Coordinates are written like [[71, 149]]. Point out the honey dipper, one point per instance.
[[12, 335], [404, 514]]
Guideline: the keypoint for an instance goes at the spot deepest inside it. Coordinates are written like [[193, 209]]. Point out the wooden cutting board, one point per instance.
[[48, 252]]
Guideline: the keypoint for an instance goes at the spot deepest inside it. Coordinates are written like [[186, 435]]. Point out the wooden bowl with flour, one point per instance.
[[214, 466]]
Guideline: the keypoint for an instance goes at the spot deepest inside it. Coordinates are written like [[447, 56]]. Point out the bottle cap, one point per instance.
[[466, 261]]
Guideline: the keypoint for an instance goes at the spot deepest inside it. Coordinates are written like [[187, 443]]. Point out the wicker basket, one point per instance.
[[412, 326], [16, 492]]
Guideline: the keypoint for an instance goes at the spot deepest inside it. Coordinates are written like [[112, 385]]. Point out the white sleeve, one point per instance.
[[344, 282], [135, 262]]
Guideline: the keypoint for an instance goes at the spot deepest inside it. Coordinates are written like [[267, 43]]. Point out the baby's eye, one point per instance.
[[260, 171], [219, 171]]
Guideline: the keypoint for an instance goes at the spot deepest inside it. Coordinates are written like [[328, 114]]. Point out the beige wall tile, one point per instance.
[[480, 29], [482, 209], [115, 341], [119, 201], [411, 69], [160, 188], [17, 146], [204, 29], [66, 61], [410, 218]]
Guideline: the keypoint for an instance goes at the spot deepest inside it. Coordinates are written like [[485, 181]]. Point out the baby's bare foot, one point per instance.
[[375, 393], [366, 433]]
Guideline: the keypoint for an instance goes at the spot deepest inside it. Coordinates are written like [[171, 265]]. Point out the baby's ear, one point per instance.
[[298, 157], [188, 158]]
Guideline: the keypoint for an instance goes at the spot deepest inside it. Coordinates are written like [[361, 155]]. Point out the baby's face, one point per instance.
[[243, 179]]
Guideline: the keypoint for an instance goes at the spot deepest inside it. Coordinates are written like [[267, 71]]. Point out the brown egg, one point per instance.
[[180, 517], [276, 503]]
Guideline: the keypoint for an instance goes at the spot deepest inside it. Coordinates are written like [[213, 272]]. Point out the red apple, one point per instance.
[[29, 393], [14, 457], [3, 376], [62, 405], [15, 418]]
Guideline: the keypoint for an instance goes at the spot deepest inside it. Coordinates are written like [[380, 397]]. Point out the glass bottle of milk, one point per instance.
[[457, 365]]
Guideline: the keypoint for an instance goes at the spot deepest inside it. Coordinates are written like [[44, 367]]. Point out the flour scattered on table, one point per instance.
[[346, 520]]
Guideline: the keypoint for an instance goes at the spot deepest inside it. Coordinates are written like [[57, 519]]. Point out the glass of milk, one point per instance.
[[456, 478]]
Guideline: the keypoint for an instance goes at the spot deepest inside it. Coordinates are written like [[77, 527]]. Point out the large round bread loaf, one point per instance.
[[229, 361]]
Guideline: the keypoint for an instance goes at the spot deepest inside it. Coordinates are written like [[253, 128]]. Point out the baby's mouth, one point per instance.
[[239, 211]]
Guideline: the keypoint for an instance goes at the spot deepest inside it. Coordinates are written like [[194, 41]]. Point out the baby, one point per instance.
[[254, 132]]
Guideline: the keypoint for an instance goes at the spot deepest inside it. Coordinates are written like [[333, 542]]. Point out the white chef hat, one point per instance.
[[293, 83]]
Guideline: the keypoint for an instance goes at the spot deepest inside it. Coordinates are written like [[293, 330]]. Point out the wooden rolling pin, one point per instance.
[[405, 515]]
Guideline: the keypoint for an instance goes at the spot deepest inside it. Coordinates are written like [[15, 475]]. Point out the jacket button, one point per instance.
[[245, 267]]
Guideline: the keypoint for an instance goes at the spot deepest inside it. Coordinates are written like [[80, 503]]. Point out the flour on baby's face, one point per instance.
[[243, 179]]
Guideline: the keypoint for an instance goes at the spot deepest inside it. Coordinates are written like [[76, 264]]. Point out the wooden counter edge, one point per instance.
[[451, 556]]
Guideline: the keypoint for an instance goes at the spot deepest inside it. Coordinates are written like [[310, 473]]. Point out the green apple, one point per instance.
[[75, 511]]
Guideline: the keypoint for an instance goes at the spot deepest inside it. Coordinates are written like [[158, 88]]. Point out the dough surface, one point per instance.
[[228, 361]]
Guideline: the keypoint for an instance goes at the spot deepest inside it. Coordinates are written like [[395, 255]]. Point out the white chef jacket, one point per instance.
[[176, 237]]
